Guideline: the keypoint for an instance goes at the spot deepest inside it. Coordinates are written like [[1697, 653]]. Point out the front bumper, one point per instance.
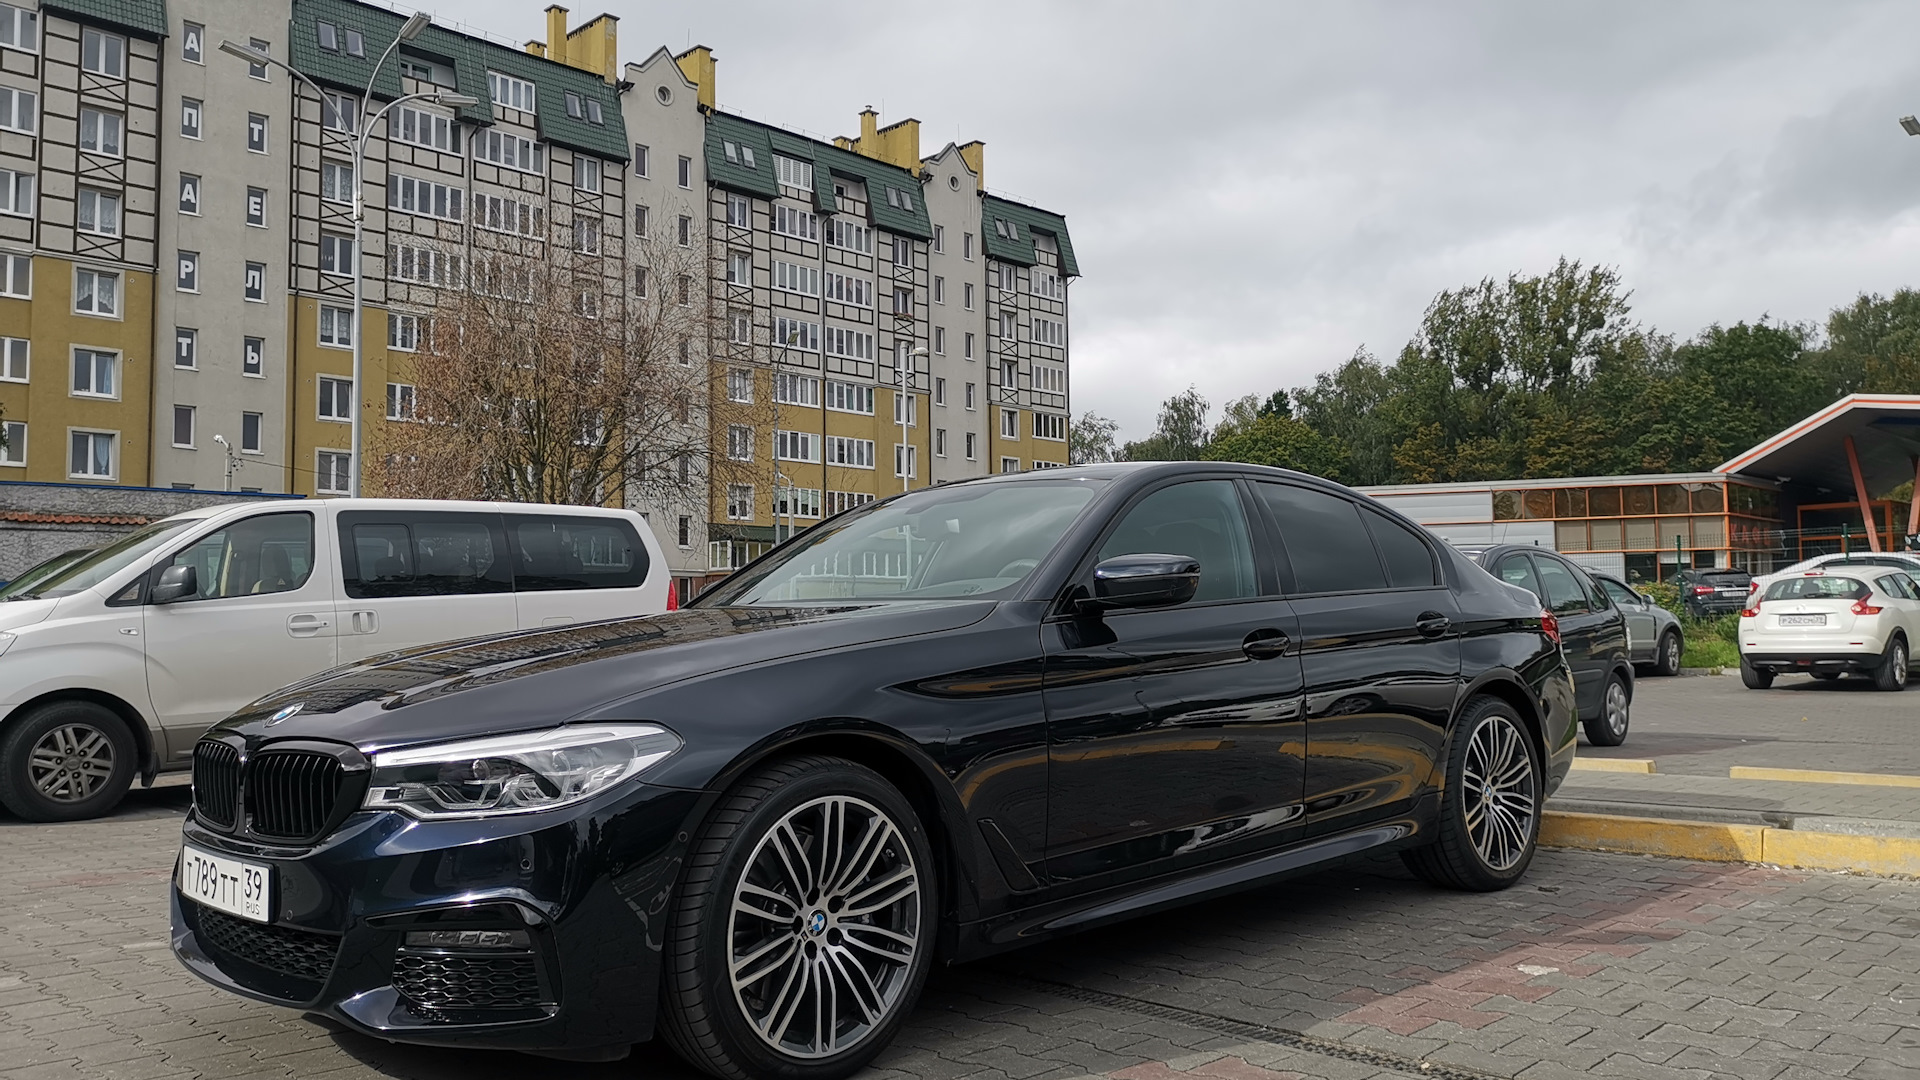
[[588, 887]]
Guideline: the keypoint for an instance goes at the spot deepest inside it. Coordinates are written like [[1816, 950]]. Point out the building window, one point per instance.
[[799, 224], [640, 282], [849, 397], [336, 255], [1009, 464], [1009, 424], [93, 373], [103, 53], [685, 231], [336, 181], [336, 399], [586, 173], [16, 193], [98, 212], [940, 340], [1051, 380], [422, 128], [96, 292], [685, 531], [193, 42], [509, 92], [186, 347], [249, 432], [966, 296], [265, 48], [794, 173], [740, 268], [971, 445], [796, 278], [796, 446], [852, 453], [189, 194], [253, 357], [403, 332], [740, 385], [684, 286], [739, 502], [332, 473], [906, 460], [640, 221], [16, 276], [739, 330], [739, 212], [796, 502], [939, 442], [356, 43], [340, 112], [257, 207], [796, 334], [183, 426], [501, 213], [848, 289], [940, 238], [966, 252], [191, 110], [854, 344], [970, 396], [586, 235], [739, 442], [13, 443], [939, 391], [92, 455], [794, 389], [1050, 426], [100, 132], [399, 401], [1006, 229], [906, 408], [840, 501], [969, 346], [20, 28], [19, 109], [424, 197], [641, 158], [939, 290], [512, 151], [899, 199], [336, 327], [574, 109], [329, 36], [14, 353], [686, 172], [256, 133], [187, 271], [253, 285]]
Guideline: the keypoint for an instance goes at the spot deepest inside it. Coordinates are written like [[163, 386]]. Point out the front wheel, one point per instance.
[[1490, 811], [66, 761], [1754, 678], [1666, 659], [1609, 727], [1892, 672], [804, 926]]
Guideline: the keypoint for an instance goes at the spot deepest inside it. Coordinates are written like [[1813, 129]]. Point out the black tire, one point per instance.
[[86, 762], [1892, 672], [1666, 655], [1608, 727], [1754, 678], [1458, 856], [705, 1018]]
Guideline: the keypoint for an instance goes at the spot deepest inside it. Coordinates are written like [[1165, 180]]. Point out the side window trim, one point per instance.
[[1290, 584], [346, 520], [1370, 513]]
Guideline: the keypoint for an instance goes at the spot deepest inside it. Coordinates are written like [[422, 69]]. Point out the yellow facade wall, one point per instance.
[[307, 433]]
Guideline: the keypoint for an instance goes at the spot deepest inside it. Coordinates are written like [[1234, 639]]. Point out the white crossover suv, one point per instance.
[[1827, 623]]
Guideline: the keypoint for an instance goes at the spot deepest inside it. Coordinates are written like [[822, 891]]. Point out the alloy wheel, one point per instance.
[[71, 762], [1672, 659], [824, 926], [1499, 791], [1616, 708], [1899, 664]]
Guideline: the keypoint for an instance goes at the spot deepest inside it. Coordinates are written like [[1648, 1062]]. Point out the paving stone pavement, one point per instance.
[[1597, 965]]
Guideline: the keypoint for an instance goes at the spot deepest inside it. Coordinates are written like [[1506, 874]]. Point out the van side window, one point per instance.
[[421, 554], [567, 551], [1409, 560], [1326, 541], [271, 553]]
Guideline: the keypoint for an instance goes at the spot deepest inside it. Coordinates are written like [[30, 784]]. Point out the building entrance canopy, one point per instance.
[[1860, 447]]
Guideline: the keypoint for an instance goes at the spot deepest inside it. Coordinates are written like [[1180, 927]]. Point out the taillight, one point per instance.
[[1550, 626], [673, 595], [1751, 613], [1861, 607], [1702, 590]]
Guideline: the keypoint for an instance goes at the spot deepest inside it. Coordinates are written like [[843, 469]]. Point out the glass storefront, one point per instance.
[[1657, 527]]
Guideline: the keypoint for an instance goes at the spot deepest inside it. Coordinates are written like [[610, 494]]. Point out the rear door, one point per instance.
[[1642, 629], [1588, 636], [570, 568], [416, 577]]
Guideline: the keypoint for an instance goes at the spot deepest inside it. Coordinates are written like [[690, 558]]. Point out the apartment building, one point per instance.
[[177, 245]]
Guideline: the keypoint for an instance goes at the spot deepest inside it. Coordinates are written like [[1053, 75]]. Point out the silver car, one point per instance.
[[1654, 639]]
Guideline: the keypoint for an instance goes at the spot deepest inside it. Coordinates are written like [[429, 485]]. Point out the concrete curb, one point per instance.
[[1603, 764], [1718, 842]]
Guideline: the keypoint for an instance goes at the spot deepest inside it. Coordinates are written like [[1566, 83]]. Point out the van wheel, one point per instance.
[[66, 761], [1609, 727], [1892, 672], [804, 927], [1753, 678], [1490, 811]]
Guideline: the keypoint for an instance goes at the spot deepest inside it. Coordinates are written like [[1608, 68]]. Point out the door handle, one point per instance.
[[1432, 624], [305, 625], [1266, 644], [365, 622]]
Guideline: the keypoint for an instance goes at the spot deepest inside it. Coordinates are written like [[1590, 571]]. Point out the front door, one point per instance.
[[262, 619], [1174, 733], [1380, 650], [417, 577], [1589, 633]]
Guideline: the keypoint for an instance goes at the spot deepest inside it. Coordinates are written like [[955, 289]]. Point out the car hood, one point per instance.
[[15, 614], [539, 678]]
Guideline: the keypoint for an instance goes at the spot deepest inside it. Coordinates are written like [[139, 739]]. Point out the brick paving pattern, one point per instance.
[[1598, 965]]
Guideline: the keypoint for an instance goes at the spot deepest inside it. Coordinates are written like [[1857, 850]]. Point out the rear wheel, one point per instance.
[[1754, 678], [1892, 672], [1609, 726], [66, 761], [804, 926], [1666, 658], [1490, 811]]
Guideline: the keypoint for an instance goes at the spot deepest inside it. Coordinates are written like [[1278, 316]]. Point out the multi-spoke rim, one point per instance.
[[1899, 663], [824, 927], [71, 762], [1498, 787], [1616, 708], [1672, 657]]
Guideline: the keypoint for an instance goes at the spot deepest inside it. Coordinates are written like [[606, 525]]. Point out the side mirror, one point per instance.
[[175, 583], [1145, 581]]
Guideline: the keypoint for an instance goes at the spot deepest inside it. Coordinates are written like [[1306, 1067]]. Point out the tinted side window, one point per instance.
[[1518, 570], [1409, 562], [422, 554], [1564, 596], [568, 552], [1620, 593], [1326, 541], [267, 554]]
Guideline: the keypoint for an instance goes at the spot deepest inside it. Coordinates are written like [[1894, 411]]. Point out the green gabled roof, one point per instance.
[[471, 59], [148, 18], [828, 160], [1028, 218]]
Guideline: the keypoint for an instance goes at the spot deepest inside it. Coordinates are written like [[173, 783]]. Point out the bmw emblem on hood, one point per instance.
[[284, 713]]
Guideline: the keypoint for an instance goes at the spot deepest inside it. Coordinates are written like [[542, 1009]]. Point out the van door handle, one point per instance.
[[305, 625], [365, 622], [1432, 624], [1266, 644]]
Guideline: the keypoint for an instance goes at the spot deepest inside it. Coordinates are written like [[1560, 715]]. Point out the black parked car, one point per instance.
[[1591, 628], [928, 729], [1705, 593]]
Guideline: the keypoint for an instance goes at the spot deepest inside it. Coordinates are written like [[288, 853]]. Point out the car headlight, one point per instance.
[[514, 774]]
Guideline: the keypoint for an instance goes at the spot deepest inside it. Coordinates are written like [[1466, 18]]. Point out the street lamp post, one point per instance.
[[357, 135]]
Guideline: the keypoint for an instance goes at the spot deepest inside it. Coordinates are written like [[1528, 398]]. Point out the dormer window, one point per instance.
[[356, 44], [738, 153], [1006, 229], [593, 112], [329, 36], [573, 106], [902, 200]]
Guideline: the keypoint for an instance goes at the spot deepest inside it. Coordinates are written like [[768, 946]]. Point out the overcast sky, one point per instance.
[[1257, 189]]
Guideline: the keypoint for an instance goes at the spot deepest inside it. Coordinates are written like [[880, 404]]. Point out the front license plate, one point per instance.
[[229, 885], [1803, 620]]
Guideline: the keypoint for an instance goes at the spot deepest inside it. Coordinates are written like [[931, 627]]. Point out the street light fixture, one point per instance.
[[357, 134], [1910, 125]]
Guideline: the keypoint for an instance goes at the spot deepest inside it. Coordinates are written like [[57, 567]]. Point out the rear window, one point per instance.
[[575, 552], [1817, 588]]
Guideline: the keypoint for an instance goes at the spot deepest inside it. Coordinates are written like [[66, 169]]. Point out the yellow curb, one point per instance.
[[1611, 764], [1818, 776], [1712, 842]]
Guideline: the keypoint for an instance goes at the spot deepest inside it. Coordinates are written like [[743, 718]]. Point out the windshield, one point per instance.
[[1817, 588], [39, 572], [102, 563], [970, 540]]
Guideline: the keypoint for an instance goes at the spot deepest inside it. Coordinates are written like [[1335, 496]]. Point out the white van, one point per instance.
[[113, 666]]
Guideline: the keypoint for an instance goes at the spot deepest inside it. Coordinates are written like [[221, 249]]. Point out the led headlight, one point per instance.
[[514, 774]]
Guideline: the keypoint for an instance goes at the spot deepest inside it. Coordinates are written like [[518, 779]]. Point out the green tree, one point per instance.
[[1279, 441], [1181, 434], [1873, 346], [1091, 439]]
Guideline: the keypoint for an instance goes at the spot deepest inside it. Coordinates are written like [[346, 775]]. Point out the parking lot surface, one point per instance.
[[1601, 965]]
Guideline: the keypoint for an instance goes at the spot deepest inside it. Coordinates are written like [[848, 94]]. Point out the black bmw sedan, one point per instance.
[[929, 729]]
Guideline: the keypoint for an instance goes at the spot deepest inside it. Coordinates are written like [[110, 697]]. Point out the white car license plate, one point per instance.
[[1803, 620], [229, 885]]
